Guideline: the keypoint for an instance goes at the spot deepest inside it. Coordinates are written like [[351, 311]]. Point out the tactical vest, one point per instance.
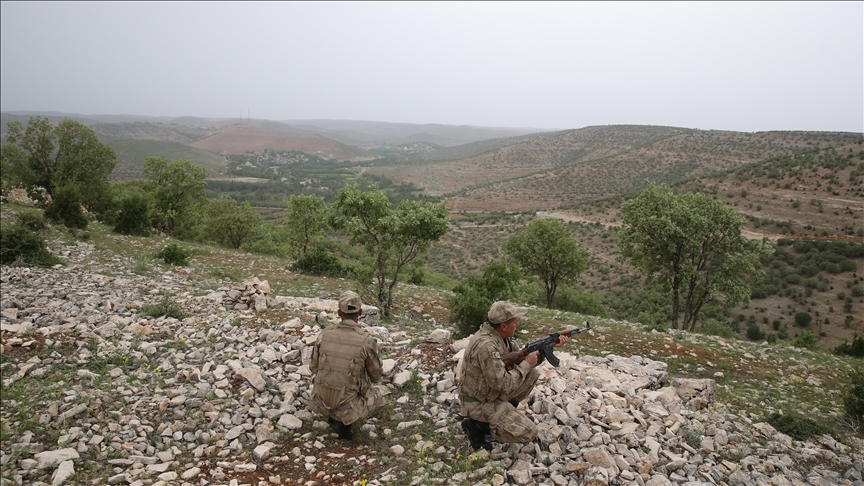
[[341, 373]]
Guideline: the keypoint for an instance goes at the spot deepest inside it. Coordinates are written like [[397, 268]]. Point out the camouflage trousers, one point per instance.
[[358, 408], [507, 424]]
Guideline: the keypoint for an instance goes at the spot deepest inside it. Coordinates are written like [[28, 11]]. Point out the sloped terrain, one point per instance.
[[97, 389]]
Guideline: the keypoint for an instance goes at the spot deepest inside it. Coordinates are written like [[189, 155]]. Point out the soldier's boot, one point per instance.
[[476, 432], [345, 432]]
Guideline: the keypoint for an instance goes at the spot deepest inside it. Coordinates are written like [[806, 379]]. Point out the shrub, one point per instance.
[[797, 427], [469, 307], [318, 261], [857, 290], [19, 243], [132, 219], [166, 307], [174, 254], [575, 300], [32, 220], [754, 332], [855, 349], [718, 328], [803, 319], [853, 400], [65, 208], [806, 340]]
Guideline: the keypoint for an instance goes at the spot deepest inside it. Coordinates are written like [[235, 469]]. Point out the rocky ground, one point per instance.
[[96, 392]]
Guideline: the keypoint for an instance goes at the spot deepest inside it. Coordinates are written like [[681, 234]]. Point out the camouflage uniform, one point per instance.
[[346, 364], [487, 388]]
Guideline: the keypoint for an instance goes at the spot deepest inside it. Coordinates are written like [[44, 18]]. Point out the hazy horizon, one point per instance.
[[749, 66]]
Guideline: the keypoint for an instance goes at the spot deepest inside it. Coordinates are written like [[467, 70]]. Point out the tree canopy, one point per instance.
[[307, 218], [692, 245], [231, 223], [547, 250], [393, 237], [43, 158], [176, 186]]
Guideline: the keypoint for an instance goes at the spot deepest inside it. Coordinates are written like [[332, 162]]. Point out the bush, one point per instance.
[[855, 349], [803, 319], [718, 328], [174, 254], [575, 300], [133, 219], [166, 307], [318, 261], [32, 220], [65, 208], [469, 308], [18, 243], [806, 340], [754, 332], [853, 400], [472, 298], [797, 427]]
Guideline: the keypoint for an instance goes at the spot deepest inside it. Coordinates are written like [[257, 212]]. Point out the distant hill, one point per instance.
[[238, 140], [131, 155], [547, 170], [370, 134]]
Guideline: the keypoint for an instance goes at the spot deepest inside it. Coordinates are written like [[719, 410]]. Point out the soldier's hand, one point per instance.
[[531, 358], [562, 340]]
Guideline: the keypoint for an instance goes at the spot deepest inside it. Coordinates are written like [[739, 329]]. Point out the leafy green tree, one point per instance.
[[307, 218], [547, 250], [176, 186], [231, 223], [692, 245], [43, 158], [393, 237]]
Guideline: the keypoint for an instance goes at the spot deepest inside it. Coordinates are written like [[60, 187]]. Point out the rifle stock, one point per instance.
[[544, 345]]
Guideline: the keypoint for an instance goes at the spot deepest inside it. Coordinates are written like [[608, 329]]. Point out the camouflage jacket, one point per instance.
[[484, 376], [345, 362]]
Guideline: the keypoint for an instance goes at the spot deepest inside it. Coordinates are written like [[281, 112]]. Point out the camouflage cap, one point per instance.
[[349, 303], [504, 311]]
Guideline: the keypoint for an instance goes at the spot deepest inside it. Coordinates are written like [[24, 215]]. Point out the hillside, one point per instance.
[[545, 171], [131, 155], [819, 195], [235, 140], [131, 370]]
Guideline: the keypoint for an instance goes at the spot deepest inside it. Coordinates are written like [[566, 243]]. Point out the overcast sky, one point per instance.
[[745, 66]]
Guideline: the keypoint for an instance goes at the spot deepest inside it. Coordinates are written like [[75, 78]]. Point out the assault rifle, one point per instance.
[[544, 345]]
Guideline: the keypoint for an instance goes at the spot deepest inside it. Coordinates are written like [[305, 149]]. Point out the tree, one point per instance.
[[693, 246], [176, 187], [43, 158], [547, 250], [307, 218], [392, 237], [230, 223]]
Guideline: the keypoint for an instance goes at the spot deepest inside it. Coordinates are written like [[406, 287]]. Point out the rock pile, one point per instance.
[[218, 398], [251, 294]]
